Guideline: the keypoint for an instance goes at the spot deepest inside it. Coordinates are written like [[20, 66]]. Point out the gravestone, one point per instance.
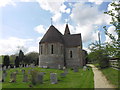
[[27, 65], [14, 67], [25, 78], [62, 74], [8, 67], [4, 68], [13, 77], [76, 69], [40, 78], [84, 68], [23, 71], [53, 78], [16, 71], [66, 71], [64, 68], [59, 67], [4, 75]]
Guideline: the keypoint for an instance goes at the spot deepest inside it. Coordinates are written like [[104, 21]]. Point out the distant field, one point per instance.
[[81, 79], [112, 75]]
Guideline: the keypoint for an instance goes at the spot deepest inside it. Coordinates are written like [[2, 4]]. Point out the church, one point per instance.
[[58, 50]]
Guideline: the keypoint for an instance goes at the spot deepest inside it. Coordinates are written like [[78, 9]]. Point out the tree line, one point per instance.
[[20, 59]]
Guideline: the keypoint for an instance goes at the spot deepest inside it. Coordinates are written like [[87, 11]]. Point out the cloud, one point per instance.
[[33, 49], [12, 44], [3, 3], [96, 1], [40, 29], [111, 30]]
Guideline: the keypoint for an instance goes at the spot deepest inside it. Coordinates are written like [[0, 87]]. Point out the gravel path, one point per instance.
[[99, 79]]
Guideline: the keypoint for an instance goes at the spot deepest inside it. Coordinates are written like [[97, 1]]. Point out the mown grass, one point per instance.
[[81, 79], [112, 75]]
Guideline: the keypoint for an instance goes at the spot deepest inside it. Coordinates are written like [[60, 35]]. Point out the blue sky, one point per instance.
[[24, 23]]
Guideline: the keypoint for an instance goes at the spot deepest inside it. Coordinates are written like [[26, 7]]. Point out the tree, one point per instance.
[[114, 46], [17, 61], [21, 56], [6, 61], [32, 57]]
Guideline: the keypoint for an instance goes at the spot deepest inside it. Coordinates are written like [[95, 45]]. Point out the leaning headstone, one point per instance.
[[76, 69], [13, 77], [40, 78], [25, 78], [84, 68], [53, 78]]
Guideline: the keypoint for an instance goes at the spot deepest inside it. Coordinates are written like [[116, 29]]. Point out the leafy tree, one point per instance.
[[114, 46], [17, 61], [32, 57], [21, 56], [6, 61]]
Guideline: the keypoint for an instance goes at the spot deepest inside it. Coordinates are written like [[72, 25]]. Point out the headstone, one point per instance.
[[59, 67], [13, 77], [53, 78], [64, 68], [23, 71], [4, 74], [45, 66], [14, 67], [4, 68], [8, 67], [84, 68], [76, 69], [16, 71], [66, 71], [25, 78], [40, 78], [63, 74], [27, 65]]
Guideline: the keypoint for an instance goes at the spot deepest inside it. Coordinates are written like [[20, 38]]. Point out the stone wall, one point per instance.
[[47, 58], [76, 59]]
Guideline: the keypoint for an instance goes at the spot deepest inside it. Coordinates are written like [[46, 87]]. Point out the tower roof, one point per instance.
[[52, 35], [67, 31]]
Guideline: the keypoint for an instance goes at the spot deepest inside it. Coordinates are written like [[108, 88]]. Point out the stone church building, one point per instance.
[[56, 49]]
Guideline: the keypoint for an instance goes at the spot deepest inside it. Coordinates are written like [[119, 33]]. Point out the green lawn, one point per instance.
[[81, 79], [112, 75]]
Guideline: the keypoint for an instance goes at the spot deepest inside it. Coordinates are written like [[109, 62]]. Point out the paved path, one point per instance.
[[99, 79]]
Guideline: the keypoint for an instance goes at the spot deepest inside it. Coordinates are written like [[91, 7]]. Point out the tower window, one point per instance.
[[51, 49], [41, 49], [70, 54]]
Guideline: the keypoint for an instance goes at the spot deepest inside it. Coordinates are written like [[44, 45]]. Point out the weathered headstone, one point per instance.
[[23, 71], [4, 68], [40, 78], [53, 78], [8, 67], [84, 68], [13, 77], [4, 74], [25, 78], [76, 69], [63, 74]]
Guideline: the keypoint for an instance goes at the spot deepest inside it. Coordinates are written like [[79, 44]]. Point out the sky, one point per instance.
[[24, 22]]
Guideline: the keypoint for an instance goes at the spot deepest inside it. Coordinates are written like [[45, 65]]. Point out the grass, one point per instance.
[[112, 75], [81, 79]]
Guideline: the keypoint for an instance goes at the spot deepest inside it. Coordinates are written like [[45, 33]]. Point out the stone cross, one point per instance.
[[53, 78], [25, 78]]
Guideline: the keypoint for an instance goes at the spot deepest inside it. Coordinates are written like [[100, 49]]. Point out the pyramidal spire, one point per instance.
[[67, 31]]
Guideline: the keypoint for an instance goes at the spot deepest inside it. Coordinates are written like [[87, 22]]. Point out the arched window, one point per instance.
[[51, 49], [70, 54], [41, 50]]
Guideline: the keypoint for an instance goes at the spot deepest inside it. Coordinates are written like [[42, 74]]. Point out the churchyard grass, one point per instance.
[[112, 75], [81, 79]]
